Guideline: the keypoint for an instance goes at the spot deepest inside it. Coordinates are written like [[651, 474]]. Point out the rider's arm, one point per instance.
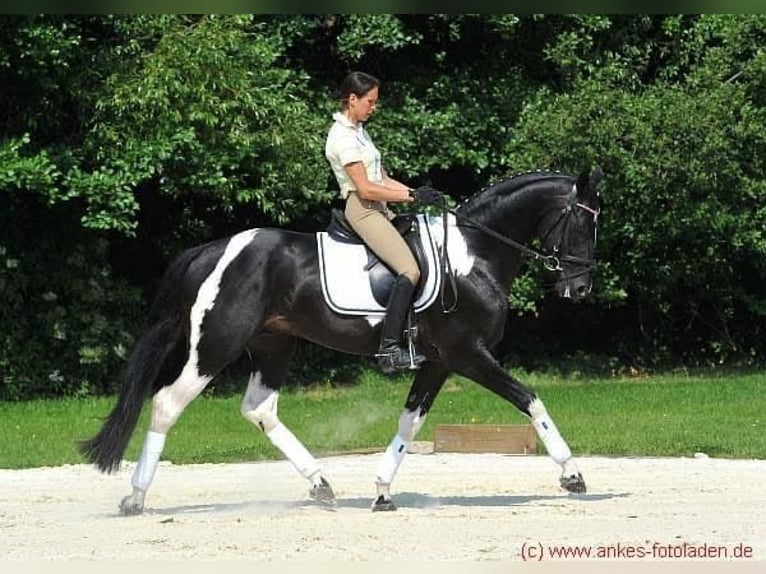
[[375, 191], [389, 181]]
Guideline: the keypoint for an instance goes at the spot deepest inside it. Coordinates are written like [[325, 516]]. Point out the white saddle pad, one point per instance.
[[346, 285]]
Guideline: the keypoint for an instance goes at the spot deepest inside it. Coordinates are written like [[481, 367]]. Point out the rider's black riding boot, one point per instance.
[[392, 354]]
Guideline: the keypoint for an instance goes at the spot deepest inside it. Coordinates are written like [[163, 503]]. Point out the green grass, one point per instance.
[[667, 415]]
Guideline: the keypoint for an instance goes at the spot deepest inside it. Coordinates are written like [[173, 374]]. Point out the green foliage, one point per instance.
[[67, 324], [206, 111], [684, 226], [39, 72], [525, 291], [20, 170], [363, 32]]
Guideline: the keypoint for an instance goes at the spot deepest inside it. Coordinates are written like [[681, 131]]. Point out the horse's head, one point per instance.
[[569, 232]]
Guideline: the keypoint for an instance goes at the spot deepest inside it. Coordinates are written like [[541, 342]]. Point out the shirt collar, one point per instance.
[[344, 121]]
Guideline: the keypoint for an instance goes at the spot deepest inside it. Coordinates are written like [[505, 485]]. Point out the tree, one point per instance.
[[683, 153]]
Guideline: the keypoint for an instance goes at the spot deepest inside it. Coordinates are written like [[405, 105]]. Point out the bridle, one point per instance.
[[551, 262], [563, 222]]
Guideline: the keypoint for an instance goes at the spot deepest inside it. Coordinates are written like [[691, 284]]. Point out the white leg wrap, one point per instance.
[[260, 407], [391, 460], [410, 422], [548, 433], [150, 457], [570, 468], [294, 451]]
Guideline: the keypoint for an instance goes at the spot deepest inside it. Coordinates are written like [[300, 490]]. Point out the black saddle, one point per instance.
[[381, 275]]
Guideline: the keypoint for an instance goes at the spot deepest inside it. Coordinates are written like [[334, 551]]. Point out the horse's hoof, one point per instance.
[[382, 504], [129, 507], [323, 493], [573, 483]]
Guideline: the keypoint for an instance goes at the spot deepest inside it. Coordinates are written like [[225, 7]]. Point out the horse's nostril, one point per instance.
[[582, 291]]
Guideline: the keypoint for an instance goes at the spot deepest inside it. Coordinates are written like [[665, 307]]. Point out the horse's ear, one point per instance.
[[595, 178], [588, 182]]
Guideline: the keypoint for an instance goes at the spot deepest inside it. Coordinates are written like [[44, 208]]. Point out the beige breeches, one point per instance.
[[369, 219]]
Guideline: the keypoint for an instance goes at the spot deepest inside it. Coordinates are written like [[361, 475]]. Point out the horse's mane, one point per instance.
[[512, 184]]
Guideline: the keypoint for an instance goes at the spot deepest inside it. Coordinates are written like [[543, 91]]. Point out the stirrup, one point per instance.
[[398, 359]]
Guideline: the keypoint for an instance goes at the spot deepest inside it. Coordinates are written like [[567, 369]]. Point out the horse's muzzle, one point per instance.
[[574, 288]]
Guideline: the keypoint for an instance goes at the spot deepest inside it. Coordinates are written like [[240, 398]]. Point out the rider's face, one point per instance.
[[362, 107]]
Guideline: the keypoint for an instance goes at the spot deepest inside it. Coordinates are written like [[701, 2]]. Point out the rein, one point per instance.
[[550, 262]]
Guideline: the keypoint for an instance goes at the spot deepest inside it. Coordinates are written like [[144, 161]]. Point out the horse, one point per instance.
[[257, 292]]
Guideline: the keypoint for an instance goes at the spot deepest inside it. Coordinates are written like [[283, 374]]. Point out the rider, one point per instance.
[[367, 189]]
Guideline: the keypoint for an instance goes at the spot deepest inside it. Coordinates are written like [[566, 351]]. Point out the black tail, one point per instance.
[[155, 361]]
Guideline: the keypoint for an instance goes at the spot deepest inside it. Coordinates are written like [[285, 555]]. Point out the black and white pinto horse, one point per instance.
[[258, 291]]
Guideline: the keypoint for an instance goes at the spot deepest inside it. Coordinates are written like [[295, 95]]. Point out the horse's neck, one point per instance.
[[514, 216]]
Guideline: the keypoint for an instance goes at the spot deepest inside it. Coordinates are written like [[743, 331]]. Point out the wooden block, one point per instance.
[[505, 439]]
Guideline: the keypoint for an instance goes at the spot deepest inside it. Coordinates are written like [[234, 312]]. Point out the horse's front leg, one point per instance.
[[427, 384], [482, 367]]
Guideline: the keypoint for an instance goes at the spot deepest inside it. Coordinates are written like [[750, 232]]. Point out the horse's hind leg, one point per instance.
[[270, 356], [218, 333], [169, 402], [427, 384], [167, 405]]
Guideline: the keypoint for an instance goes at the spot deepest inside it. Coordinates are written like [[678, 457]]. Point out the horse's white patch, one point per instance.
[[209, 289], [260, 404], [373, 320], [460, 257], [170, 401]]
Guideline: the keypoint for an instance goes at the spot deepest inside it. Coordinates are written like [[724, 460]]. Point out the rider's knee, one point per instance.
[[413, 275]]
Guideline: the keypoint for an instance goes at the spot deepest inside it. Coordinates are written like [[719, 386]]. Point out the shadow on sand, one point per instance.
[[418, 500], [402, 500]]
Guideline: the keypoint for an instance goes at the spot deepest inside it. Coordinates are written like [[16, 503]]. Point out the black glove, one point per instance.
[[428, 195]]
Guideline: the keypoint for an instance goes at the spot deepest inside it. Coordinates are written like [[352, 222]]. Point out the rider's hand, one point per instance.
[[428, 195]]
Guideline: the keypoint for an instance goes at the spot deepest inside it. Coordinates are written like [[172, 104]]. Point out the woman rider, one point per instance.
[[367, 189]]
